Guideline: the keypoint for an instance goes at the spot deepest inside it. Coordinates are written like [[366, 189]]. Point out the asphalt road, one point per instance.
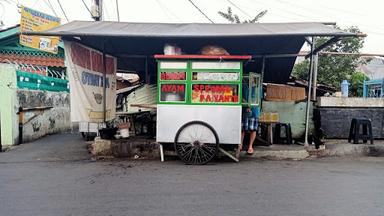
[[55, 176]]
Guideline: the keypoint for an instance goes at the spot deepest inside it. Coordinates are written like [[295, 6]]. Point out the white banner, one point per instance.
[[85, 72]]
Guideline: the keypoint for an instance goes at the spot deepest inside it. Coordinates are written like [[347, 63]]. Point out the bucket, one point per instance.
[[124, 133], [107, 133]]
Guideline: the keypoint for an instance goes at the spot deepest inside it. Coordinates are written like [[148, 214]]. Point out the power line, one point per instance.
[[105, 9], [50, 6], [12, 1], [58, 1], [329, 9], [85, 5], [163, 9], [167, 11], [200, 10], [234, 5], [284, 10], [34, 4]]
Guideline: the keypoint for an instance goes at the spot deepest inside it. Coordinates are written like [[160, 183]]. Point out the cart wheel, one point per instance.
[[196, 143]]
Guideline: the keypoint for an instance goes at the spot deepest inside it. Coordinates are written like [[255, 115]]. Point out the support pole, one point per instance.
[[262, 70], [315, 67], [262, 79], [306, 144], [117, 11], [98, 14], [21, 124], [104, 85], [147, 78]]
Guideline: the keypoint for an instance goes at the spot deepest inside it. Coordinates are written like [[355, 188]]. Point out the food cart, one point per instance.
[[199, 104]]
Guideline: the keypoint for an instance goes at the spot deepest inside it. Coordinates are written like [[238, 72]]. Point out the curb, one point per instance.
[[148, 149]]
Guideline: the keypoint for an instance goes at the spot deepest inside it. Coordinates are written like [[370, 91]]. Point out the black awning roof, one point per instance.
[[147, 39], [189, 30]]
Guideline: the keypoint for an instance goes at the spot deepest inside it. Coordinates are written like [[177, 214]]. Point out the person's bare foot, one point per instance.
[[250, 151]]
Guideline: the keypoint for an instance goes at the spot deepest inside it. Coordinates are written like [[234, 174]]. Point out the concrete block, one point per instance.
[[353, 102], [125, 148], [101, 147]]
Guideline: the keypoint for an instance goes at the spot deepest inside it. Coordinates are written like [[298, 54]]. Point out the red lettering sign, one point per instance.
[[172, 76], [215, 93], [173, 88]]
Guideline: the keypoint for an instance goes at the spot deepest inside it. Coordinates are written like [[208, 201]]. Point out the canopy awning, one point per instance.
[[191, 30], [124, 39]]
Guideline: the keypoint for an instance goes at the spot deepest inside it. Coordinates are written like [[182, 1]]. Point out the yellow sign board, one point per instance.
[[32, 20]]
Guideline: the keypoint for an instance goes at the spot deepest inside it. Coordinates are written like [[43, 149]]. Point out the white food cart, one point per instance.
[[199, 104]]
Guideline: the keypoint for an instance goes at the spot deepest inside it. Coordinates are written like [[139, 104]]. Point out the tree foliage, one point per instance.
[[356, 83], [234, 18], [332, 69]]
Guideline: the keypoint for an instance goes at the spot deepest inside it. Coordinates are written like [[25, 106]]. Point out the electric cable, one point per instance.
[[34, 4], [167, 11], [106, 12], [200, 10], [238, 8], [58, 1], [85, 5], [51, 7]]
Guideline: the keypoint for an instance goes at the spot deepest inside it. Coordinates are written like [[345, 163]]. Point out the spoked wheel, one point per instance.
[[196, 143]]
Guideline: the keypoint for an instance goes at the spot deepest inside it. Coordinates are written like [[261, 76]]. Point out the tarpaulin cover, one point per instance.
[[123, 39], [85, 71]]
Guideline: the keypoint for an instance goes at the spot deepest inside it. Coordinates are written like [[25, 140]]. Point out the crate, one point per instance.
[[279, 92]]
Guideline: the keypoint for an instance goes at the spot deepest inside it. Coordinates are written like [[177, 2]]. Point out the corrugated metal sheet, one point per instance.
[[143, 95]]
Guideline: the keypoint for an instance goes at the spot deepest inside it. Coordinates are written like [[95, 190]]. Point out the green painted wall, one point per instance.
[[27, 80], [7, 104], [293, 113]]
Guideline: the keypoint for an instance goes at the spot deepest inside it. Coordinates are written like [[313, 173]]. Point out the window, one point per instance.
[[216, 76], [252, 89], [164, 75], [172, 92]]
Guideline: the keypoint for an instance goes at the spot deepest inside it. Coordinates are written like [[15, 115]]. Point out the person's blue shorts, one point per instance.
[[249, 124]]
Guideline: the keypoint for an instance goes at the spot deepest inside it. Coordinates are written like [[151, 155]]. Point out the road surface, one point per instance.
[[55, 176]]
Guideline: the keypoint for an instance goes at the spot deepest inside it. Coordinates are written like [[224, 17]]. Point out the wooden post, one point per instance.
[[104, 85], [21, 122]]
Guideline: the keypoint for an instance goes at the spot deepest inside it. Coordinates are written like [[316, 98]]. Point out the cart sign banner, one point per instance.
[[215, 93], [85, 72], [173, 75], [32, 20]]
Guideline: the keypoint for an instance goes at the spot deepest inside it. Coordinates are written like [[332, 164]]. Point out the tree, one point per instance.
[[356, 83], [234, 18], [332, 69]]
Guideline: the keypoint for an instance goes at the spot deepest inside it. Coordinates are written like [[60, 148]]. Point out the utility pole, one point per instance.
[[97, 10], [117, 10]]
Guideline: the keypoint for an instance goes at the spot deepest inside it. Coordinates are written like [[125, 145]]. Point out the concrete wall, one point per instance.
[[352, 102], [335, 115], [52, 115], [291, 112], [7, 104], [336, 121]]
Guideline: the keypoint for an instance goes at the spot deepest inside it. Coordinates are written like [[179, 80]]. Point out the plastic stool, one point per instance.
[[287, 139], [354, 131]]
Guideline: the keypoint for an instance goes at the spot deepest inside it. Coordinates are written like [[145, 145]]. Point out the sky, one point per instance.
[[368, 15]]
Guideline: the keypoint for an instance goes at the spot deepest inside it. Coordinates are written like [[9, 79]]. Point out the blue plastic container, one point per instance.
[[344, 88]]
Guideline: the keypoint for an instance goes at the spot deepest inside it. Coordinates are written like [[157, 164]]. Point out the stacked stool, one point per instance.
[[354, 131], [287, 139]]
